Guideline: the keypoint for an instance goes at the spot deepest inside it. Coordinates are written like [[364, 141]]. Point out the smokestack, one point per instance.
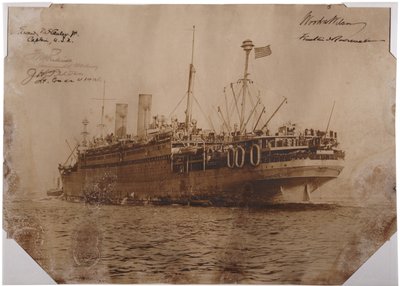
[[144, 114], [121, 113]]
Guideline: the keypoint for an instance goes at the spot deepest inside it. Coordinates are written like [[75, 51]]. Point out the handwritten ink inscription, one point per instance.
[[43, 76], [48, 35], [54, 55], [345, 26], [335, 39], [51, 66]]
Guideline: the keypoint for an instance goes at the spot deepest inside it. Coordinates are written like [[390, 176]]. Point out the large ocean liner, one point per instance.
[[173, 162]]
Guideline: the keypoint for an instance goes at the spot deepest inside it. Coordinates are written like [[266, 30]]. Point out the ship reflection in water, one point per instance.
[[299, 243]]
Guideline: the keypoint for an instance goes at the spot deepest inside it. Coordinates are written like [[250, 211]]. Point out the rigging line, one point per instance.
[[232, 109], [253, 106], [238, 98], [180, 101], [261, 114], [223, 120], [201, 110], [267, 92], [70, 149], [231, 106], [250, 97], [257, 78], [254, 90], [219, 117], [254, 74], [70, 155], [257, 98], [251, 113], [273, 92], [227, 108], [212, 125], [329, 121], [245, 94], [201, 91], [234, 97], [276, 110], [256, 111]]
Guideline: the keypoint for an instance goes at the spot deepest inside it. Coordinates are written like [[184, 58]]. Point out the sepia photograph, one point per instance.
[[199, 144]]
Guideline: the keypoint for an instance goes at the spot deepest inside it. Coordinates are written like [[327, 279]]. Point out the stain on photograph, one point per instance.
[[250, 144]]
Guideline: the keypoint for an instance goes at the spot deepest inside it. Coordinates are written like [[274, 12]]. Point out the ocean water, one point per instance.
[[298, 244]]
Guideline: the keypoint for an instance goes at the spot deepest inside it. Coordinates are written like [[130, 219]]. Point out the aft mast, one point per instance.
[[189, 104], [247, 47]]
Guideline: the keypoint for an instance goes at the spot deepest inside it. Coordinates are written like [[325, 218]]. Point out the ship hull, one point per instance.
[[153, 182]]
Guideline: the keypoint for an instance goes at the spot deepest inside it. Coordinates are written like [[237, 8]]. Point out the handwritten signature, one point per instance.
[[42, 76], [335, 39], [48, 35], [311, 20], [54, 55], [55, 59]]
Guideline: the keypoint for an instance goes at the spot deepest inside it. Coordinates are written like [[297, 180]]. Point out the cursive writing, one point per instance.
[[310, 20], [52, 59], [42, 76], [339, 38], [54, 55], [48, 35], [70, 65]]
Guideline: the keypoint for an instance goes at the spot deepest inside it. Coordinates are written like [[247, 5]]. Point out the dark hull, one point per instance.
[[153, 182]]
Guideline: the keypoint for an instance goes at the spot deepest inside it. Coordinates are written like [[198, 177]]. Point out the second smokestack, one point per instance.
[[144, 114]]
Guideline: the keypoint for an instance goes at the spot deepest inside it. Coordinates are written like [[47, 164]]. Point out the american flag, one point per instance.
[[262, 51]]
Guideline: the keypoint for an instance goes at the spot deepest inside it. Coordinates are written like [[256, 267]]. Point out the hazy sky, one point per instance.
[[147, 49]]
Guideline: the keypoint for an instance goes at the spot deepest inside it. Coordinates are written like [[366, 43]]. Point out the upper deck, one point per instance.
[[124, 152]]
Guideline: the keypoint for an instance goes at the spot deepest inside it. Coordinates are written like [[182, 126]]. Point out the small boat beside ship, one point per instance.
[[55, 192]]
